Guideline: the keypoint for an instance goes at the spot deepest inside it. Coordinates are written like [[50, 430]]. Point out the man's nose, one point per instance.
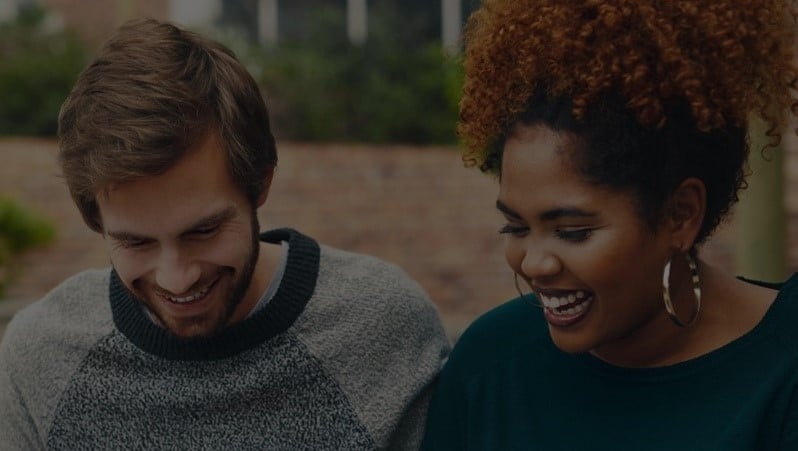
[[176, 273]]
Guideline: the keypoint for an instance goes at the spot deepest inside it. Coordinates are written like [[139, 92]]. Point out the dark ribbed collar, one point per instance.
[[296, 287]]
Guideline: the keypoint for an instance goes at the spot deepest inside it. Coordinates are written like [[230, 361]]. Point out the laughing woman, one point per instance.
[[618, 132]]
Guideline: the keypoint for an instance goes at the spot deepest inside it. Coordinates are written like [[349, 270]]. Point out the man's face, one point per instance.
[[185, 243]]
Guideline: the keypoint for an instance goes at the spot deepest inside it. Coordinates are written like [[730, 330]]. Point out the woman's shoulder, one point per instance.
[[501, 334], [786, 300], [784, 311], [781, 316]]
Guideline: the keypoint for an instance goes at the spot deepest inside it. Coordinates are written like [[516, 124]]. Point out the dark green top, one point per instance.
[[507, 387]]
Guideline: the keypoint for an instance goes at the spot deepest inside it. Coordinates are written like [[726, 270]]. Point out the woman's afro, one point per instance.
[[725, 59]]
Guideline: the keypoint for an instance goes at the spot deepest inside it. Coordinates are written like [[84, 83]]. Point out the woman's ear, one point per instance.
[[686, 213]]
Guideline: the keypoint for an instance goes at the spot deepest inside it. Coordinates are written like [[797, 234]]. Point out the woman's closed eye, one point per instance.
[[575, 235], [513, 229]]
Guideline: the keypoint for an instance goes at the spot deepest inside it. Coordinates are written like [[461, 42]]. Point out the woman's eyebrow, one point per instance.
[[548, 215], [566, 212], [509, 212]]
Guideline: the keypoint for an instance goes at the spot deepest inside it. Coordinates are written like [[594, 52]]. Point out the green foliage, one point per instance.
[[396, 87], [20, 229], [37, 71]]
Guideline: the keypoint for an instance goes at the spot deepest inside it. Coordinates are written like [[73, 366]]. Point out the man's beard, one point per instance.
[[242, 285], [235, 298]]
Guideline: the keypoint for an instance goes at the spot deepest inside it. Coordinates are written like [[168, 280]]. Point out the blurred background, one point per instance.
[[363, 97]]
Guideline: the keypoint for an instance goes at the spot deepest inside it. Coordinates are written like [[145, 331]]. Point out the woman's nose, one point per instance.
[[539, 263]]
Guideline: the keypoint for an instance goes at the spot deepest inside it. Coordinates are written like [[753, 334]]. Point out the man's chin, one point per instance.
[[209, 317], [185, 328], [191, 329]]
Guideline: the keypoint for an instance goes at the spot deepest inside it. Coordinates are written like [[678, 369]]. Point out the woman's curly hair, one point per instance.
[[676, 72]]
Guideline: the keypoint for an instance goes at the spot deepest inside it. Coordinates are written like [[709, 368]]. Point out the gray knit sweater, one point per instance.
[[343, 357]]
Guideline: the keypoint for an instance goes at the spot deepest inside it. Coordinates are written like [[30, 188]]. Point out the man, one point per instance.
[[205, 334]]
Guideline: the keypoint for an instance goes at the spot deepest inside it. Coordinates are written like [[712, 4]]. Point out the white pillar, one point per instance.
[[356, 21], [8, 10], [451, 17], [268, 22], [195, 13]]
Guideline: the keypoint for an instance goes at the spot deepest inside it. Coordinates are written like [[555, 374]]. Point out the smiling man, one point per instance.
[[188, 250], [205, 333]]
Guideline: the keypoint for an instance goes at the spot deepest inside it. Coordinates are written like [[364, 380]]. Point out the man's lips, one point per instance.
[[191, 297]]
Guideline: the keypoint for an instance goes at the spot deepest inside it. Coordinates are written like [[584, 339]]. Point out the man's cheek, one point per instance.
[[131, 267]]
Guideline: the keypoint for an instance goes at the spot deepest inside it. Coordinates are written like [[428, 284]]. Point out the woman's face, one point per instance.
[[591, 259]]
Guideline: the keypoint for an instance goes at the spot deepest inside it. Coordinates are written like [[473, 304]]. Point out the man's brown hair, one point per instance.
[[151, 93]]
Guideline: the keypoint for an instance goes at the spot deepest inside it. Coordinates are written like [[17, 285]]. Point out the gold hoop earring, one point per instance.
[[522, 294], [696, 291]]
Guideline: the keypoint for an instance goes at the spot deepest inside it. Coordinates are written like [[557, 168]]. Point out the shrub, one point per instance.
[[20, 229], [37, 70], [394, 88]]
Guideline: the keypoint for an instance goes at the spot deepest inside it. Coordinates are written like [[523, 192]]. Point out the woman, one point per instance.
[[618, 131]]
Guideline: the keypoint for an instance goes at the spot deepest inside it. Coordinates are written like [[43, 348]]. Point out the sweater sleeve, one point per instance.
[[42, 347], [410, 430], [423, 348], [376, 332], [17, 428]]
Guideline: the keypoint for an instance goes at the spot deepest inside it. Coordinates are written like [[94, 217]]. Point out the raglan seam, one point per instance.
[[71, 381], [23, 403], [340, 389]]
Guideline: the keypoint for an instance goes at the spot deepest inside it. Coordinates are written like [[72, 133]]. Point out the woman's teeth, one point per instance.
[[571, 304]]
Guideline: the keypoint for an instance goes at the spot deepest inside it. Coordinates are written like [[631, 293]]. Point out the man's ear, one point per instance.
[[687, 207], [267, 183]]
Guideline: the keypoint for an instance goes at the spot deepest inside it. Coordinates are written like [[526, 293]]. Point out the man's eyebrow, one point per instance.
[[213, 219], [548, 215], [125, 236], [208, 221]]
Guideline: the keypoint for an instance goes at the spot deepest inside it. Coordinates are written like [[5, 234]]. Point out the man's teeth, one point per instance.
[[193, 297], [571, 304]]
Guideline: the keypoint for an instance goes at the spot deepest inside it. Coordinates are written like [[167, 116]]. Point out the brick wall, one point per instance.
[[95, 20], [417, 207]]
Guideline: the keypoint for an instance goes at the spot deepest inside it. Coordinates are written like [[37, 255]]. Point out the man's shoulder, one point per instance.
[[360, 261], [81, 288], [90, 282], [76, 304], [379, 286], [377, 333], [368, 303], [46, 342]]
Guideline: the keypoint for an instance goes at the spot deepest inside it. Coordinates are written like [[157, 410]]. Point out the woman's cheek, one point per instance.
[[513, 253]]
